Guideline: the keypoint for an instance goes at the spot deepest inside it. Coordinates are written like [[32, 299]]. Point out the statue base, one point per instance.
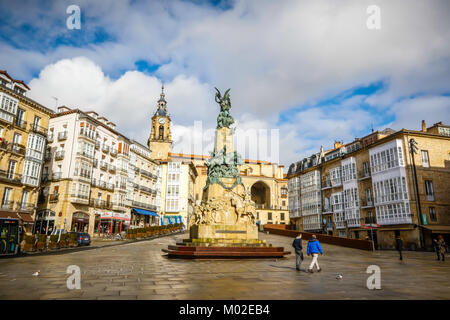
[[224, 231]]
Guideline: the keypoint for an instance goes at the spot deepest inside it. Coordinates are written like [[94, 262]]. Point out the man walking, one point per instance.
[[441, 247], [314, 249], [399, 246], [297, 244]]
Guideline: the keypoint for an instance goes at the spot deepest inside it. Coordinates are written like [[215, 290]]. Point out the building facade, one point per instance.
[[23, 137], [368, 187]]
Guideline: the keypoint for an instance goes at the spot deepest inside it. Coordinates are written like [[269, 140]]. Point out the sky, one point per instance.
[[306, 72]]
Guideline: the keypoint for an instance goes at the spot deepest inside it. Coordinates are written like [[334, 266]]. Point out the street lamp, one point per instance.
[[413, 150]]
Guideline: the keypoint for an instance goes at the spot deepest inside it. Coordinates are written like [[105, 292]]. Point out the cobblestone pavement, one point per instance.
[[141, 271]]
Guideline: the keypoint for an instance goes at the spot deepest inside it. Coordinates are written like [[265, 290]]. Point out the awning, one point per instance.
[[436, 228], [145, 212], [24, 218]]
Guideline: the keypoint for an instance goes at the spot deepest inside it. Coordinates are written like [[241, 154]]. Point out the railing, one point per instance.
[[103, 165], [105, 148], [112, 168], [85, 154], [366, 203], [47, 156], [118, 206], [143, 205], [62, 135], [59, 155], [113, 152], [364, 175], [38, 129], [403, 219], [27, 207], [326, 184], [18, 149], [53, 197], [20, 124], [430, 197], [99, 203], [50, 137], [95, 164], [82, 173], [79, 198], [8, 205], [10, 176], [370, 220], [4, 144], [97, 144], [270, 207], [146, 173], [56, 175], [146, 189], [88, 134]]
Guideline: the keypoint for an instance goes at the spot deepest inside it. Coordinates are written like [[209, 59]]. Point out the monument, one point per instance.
[[223, 225]]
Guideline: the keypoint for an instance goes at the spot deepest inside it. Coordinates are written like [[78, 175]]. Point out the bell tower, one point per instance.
[[160, 140]]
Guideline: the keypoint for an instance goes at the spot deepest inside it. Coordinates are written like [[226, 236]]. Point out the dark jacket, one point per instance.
[[297, 244], [398, 244], [314, 247]]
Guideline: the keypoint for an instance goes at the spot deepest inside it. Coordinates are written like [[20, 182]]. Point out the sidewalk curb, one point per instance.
[[78, 249]]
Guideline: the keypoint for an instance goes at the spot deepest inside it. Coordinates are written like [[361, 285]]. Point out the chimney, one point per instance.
[[424, 126]]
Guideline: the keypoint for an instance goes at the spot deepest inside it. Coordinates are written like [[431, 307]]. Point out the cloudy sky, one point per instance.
[[311, 69]]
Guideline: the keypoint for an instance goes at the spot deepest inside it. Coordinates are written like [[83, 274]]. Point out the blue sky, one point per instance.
[[311, 69]]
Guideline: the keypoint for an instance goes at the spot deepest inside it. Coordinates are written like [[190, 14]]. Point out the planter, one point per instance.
[[73, 243], [63, 244], [29, 247], [53, 245], [40, 246]]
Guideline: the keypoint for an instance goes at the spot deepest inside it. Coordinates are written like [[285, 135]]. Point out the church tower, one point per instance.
[[160, 140]]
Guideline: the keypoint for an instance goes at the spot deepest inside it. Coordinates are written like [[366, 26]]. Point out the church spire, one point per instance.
[[162, 104]]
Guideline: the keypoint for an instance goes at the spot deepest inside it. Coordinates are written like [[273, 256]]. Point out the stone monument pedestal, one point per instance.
[[223, 225]]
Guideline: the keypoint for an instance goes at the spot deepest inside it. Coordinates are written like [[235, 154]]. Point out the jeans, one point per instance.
[[298, 259], [314, 262]]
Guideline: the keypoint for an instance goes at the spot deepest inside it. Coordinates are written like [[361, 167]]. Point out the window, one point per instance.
[[6, 197], [19, 117], [257, 215], [24, 200], [282, 216], [429, 190], [269, 216], [432, 212], [11, 169], [425, 161]]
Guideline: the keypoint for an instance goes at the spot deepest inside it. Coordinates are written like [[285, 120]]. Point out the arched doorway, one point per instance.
[[261, 195], [80, 222]]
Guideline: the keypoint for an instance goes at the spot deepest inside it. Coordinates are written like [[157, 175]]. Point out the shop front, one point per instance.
[[141, 218], [44, 222], [171, 219], [80, 222], [108, 223]]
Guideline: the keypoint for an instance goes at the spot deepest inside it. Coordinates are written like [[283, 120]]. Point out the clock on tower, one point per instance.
[[160, 140]]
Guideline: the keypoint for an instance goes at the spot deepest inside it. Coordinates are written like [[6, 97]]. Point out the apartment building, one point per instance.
[[144, 187], [368, 187], [23, 133]]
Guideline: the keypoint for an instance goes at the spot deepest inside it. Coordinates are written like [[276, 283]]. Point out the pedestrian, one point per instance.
[[297, 244], [399, 246], [441, 247], [436, 248], [314, 249]]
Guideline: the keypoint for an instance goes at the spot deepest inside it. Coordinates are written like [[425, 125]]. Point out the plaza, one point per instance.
[[141, 271]]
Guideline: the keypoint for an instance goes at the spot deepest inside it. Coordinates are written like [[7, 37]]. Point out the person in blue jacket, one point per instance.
[[314, 249]]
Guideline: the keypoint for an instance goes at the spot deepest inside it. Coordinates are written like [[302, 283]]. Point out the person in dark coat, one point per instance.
[[399, 246], [436, 249], [441, 247], [297, 244]]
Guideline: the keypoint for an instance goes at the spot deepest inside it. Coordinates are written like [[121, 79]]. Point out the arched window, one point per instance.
[[161, 132]]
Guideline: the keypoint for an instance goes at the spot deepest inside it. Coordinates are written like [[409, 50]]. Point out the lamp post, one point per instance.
[[413, 150]]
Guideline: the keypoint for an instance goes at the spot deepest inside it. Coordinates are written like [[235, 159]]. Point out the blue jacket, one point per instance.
[[314, 247]]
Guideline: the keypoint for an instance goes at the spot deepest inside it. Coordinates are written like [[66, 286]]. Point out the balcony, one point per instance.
[[268, 207], [370, 221], [90, 134], [53, 198], [3, 144], [82, 173], [364, 175], [62, 135], [26, 207], [44, 177], [327, 209], [336, 183], [6, 116], [146, 173], [56, 175], [79, 198], [95, 164], [105, 148], [21, 124], [103, 165], [8, 205], [97, 144], [47, 156], [50, 138], [18, 149], [430, 197], [110, 186], [111, 168], [59, 155], [10, 177], [99, 203], [400, 219], [146, 189], [326, 184], [30, 181], [38, 129], [366, 204], [113, 152], [119, 206], [143, 205]]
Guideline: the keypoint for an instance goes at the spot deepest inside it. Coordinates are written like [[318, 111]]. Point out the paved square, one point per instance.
[[141, 271]]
